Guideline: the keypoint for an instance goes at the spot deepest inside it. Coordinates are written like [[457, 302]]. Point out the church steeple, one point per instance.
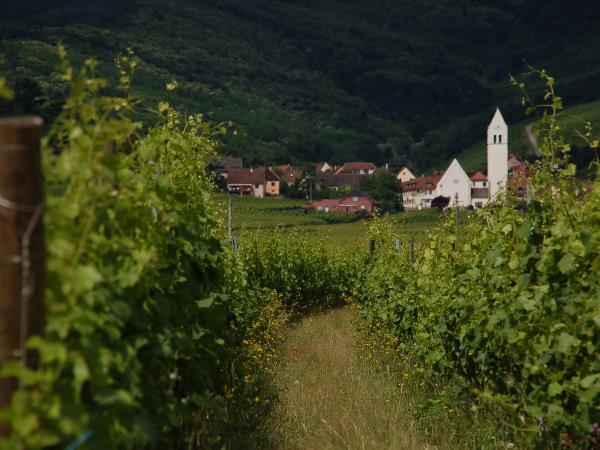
[[497, 130], [497, 154]]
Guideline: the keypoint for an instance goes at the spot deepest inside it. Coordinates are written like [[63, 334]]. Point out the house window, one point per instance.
[[354, 199], [256, 186], [362, 206]]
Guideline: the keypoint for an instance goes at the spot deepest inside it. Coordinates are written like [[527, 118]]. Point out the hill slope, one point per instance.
[[408, 81]]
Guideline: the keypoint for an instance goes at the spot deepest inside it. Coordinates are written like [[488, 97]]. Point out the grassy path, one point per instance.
[[331, 400]]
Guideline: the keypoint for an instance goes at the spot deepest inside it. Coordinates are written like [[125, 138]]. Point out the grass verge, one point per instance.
[[347, 389]]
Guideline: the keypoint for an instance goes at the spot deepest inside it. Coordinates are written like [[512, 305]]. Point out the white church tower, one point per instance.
[[497, 154]]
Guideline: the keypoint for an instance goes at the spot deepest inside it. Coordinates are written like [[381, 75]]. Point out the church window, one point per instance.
[[499, 139], [495, 139]]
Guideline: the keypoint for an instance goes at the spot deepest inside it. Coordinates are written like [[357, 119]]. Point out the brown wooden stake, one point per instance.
[[21, 243]]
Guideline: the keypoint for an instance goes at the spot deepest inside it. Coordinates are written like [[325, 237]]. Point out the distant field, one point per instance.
[[264, 215]]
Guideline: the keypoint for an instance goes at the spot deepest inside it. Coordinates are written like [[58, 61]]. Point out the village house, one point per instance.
[[357, 168], [404, 175], [519, 172], [337, 182], [322, 167], [480, 192], [222, 165], [288, 173], [418, 192], [256, 182], [352, 202]]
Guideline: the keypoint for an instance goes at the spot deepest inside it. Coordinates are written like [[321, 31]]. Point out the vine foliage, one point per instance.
[[511, 305]]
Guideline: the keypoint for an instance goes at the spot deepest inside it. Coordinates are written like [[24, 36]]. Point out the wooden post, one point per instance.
[[21, 243], [412, 250], [234, 244], [229, 216], [372, 247], [398, 245], [456, 214]]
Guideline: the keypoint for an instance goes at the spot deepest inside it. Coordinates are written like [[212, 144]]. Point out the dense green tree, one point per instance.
[[411, 81], [385, 189]]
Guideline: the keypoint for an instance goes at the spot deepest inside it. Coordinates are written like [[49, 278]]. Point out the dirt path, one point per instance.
[[532, 139], [330, 400]]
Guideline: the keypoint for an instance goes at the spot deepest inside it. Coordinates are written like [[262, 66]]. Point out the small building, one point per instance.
[[519, 172], [288, 173], [404, 175], [353, 202], [480, 191], [325, 205], [357, 168], [258, 182], [337, 182], [356, 201], [479, 180], [479, 197], [418, 192], [223, 165], [323, 167]]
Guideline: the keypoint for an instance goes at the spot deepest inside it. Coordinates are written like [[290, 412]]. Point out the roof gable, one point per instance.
[[453, 171], [497, 120], [478, 176]]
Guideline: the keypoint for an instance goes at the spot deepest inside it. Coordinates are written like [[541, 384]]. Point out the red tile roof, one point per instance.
[[421, 183], [478, 176], [350, 166]]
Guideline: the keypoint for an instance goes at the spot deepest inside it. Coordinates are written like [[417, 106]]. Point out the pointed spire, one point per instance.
[[498, 119]]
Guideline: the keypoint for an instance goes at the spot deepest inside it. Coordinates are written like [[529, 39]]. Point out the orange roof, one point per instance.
[[478, 176]]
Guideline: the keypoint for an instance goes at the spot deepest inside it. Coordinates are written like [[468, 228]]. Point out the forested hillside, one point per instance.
[[411, 82]]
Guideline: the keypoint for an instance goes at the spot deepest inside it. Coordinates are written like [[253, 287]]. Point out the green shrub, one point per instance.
[[300, 271], [511, 306], [156, 334]]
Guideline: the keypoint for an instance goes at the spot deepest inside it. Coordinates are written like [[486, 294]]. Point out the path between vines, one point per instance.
[[330, 399]]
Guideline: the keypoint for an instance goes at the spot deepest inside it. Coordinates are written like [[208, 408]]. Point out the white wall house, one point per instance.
[[405, 175], [455, 184], [480, 192], [497, 154], [417, 193]]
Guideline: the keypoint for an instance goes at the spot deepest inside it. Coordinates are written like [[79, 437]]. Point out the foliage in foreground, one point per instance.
[[511, 306], [156, 335], [302, 272]]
